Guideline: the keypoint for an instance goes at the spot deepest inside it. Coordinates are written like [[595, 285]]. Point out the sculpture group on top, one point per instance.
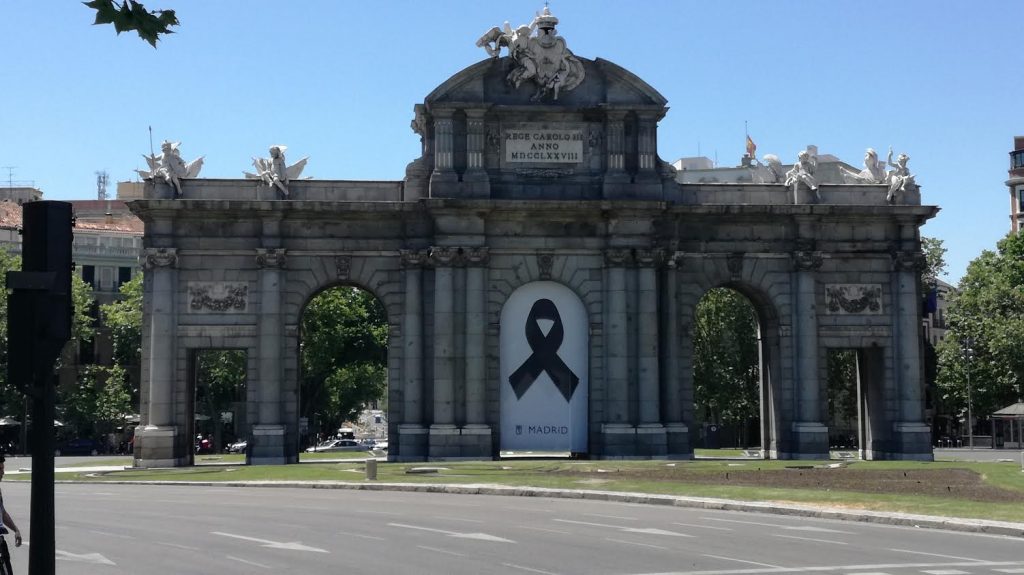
[[543, 58], [803, 173], [899, 178], [169, 166], [274, 172]]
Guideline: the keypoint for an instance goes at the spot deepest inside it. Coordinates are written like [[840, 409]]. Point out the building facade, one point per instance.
[[540, 267], [1015, 183]]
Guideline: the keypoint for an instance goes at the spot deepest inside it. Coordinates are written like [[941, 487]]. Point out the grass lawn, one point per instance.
[[942, 488]]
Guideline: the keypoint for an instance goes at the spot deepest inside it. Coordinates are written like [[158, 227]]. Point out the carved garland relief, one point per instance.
[[218, 297], [846, 299]]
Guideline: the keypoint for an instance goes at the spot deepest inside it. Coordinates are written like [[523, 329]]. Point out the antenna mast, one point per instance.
[[102, 177]]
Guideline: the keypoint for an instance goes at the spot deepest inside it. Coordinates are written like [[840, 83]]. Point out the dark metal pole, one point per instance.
[[41, 554]]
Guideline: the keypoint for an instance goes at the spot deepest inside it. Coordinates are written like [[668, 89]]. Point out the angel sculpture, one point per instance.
[[274, 172], [803, 173], [899, 178], [170, 167]]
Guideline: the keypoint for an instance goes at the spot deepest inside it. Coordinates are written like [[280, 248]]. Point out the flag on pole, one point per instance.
[[751, 147]]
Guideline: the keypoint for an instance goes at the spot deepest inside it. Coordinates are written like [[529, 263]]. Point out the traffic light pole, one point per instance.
[[39, 323]]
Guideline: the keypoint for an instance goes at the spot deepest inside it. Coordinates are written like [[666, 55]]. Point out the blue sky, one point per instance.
[[336, 81]]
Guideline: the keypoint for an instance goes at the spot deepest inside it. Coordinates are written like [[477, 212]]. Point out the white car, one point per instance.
[[238, 447], [337, 445]]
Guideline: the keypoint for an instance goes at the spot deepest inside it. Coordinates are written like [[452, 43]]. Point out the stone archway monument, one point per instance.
[[540, 268]]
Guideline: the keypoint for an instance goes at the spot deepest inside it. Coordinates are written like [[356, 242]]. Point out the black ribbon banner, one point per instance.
[[545, 353]]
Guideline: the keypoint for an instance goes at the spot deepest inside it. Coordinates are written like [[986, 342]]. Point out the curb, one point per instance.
[[900, 519]]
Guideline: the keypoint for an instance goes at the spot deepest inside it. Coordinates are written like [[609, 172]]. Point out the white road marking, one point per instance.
[[290, 545], [528, 569], [108, 534], [810, 539], [1019, 570], [544, 530], [609, 516], [247, 562], [829, 568], [946, 572], [361, 536], [703, 526], [644, 530], [445, 551], [938, 555], [769, 565], [458, 519], [176, 546], [781, 526], [456, 534], [636, 543], [93, 558]]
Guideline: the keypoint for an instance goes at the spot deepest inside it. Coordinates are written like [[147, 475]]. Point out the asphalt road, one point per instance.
[[159, 530]]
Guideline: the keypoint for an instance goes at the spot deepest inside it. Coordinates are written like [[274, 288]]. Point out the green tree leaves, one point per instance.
[[988, 312], [131, 15], [344, 354], [726, 362]]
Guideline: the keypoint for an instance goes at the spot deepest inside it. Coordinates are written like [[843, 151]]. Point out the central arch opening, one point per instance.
[[731, 395], [343, 352]]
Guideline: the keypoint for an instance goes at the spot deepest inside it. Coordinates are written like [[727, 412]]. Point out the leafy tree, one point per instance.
[[935, 261], [726, 360], [344, 354], [841, 369], [83, 320], [986, 316], [124, 320], [130, 15], [10, 397], [220, 381], [98, 400]]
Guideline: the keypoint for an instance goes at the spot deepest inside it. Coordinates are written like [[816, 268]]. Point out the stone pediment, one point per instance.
[[486, 135], [606, 83]]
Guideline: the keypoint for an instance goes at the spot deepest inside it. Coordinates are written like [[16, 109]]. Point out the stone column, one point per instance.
[[444, 152], [619, 434], [442, 444], [411, 433], [647, 337], [268, 434], [647, 144], [810, 433], [616, 161], [476, 434], [476, 182], [476, 330], [157, 445], [651, 437], [913, 436], [678, 437], [444, 145]]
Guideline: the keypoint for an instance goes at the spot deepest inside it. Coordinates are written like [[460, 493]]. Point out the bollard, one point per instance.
[[371, 468]]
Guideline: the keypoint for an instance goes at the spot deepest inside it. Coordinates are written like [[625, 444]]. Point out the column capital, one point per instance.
[[443, 256], [649, 258], [413, 258], [618, 257], [477, 256], [270, 257], [160, 258], [806, 260], [908, 261]]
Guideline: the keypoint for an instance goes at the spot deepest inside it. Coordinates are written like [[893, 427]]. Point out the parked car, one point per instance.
[[337, 445], [238, 446], [79, 446]]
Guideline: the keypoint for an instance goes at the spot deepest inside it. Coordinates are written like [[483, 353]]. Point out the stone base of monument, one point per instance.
[[157, 447], [651, 441], [412, 443], [810, 441], [619, 441], [451, 443], [910, 441], [267, 446], [677, 441]]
